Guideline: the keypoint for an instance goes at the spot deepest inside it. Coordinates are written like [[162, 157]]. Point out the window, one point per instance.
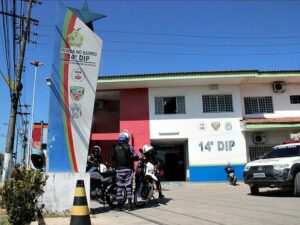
[[255, 105], [170, 105], [255, 152], [217, 103], [295, 99], [284, 151]]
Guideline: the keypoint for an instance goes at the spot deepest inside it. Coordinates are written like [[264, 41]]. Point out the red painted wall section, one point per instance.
[[36, 134], [134, 115], [106, 121]]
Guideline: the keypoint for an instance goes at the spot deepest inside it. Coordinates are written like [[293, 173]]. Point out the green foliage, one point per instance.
[[19, 195], [4, 221]]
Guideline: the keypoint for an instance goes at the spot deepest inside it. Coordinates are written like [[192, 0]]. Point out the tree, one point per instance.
[[19, 195]]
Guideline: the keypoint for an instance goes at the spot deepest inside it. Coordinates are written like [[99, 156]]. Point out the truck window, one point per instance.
[[283, 151]]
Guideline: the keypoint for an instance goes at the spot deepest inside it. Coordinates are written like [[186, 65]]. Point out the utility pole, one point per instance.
[[15, 96], [23, 132]]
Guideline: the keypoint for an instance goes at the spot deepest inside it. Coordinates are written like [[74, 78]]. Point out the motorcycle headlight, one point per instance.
[[280, 166], [246, 168]]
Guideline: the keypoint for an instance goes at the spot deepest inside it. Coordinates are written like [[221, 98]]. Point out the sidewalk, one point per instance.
[[202, 203]]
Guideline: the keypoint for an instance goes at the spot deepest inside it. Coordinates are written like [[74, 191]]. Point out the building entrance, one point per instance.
[[173, 162]]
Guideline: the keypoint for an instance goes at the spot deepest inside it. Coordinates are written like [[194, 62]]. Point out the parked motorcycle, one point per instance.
[[230, 174], [103, 185], [146, 179]]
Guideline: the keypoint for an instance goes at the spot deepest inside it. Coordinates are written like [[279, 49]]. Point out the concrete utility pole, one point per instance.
[[15, 96]]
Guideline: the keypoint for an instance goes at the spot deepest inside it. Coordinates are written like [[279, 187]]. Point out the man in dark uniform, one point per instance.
[[124, 155]]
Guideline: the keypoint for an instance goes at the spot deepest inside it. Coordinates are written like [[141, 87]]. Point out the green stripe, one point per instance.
[[204, 75], [62, 65], [271, 125]]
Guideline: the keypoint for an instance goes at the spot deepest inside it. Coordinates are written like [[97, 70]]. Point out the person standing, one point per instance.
[[124, 155]]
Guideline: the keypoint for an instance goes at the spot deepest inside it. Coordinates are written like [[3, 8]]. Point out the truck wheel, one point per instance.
[[254, 190], [297, 185]]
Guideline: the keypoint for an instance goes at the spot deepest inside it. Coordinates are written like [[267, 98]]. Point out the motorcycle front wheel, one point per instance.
[[233, 181], [143, 194], [111, 196]]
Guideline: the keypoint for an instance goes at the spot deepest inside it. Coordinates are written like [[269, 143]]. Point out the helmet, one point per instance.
[[127, 133], [123, 138], [97, 149], [147, 149]]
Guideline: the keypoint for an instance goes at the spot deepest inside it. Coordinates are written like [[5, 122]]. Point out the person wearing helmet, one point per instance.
[[94, 159], [150, 153], [124, 155]]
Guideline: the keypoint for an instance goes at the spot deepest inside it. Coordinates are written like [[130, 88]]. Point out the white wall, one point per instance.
[[281, 101], [60, 191], [227, 143]]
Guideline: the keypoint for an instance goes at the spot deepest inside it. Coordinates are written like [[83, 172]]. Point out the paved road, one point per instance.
[[199, 203]]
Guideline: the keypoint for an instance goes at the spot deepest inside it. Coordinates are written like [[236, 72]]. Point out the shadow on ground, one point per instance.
[[283, 193], [153, 203]]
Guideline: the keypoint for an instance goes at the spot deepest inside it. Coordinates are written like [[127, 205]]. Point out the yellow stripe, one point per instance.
[[79, 192], [80, 210]]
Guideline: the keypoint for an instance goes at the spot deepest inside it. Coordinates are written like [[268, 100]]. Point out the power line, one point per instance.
[[202, 54], [190, 35]]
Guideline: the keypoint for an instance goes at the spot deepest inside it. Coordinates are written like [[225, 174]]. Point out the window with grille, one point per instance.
[[257, 151], [255, 105], [217, 103], [170, 105], [295, 99]]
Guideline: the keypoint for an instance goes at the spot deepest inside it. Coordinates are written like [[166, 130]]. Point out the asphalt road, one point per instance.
[[203, 203]]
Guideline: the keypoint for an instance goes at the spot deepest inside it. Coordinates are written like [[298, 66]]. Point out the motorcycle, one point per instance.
[[146, 179], [103, 185], [230, 174]]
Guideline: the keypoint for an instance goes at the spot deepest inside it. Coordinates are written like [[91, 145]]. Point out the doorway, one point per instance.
[[173, 160]]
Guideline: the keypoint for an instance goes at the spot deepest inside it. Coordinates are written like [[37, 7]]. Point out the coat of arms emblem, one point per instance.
[[75, 111], [228, 126], [202, 126], [215, 125], [76, 92], [75, 39], [77, 74]]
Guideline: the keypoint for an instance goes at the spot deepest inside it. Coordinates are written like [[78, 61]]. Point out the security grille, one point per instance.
[[254, 105], [217, 103], [295, 99], [257, 151], [170, 105]]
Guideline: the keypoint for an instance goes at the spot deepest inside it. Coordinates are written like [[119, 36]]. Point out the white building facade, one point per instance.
[[200, 121]]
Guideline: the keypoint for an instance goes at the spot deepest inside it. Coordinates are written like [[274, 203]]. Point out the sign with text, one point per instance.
[[76, 58]]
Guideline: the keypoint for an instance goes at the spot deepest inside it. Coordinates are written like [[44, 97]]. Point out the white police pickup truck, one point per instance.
[[279, 167]]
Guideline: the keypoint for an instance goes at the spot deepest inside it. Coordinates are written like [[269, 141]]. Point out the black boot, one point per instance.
[[161, 196], [120, 206], [130, 205]]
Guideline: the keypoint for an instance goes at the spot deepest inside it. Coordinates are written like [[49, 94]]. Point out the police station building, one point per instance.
[[201, 120]]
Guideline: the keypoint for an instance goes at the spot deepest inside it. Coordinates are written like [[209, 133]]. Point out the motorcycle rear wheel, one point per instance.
[[143, 194], [111, 196]]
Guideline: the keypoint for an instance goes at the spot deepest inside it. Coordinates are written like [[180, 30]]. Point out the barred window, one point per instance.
[[170, 105], [257, 151], [217, 103], [255, 105], [295, 99]]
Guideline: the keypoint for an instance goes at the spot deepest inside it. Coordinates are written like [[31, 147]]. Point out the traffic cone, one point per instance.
[[80, 212]]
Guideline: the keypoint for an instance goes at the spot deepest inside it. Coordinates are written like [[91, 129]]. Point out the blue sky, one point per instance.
[[168, 36]]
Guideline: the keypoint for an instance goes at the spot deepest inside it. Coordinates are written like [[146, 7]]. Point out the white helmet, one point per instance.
[[147, 149]]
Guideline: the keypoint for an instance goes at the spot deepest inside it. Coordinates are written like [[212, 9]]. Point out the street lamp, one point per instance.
[[36, 64], [49, 81]]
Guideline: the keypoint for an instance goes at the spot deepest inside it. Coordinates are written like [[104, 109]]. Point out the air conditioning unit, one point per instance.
[[259, 138], [278, 87]]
